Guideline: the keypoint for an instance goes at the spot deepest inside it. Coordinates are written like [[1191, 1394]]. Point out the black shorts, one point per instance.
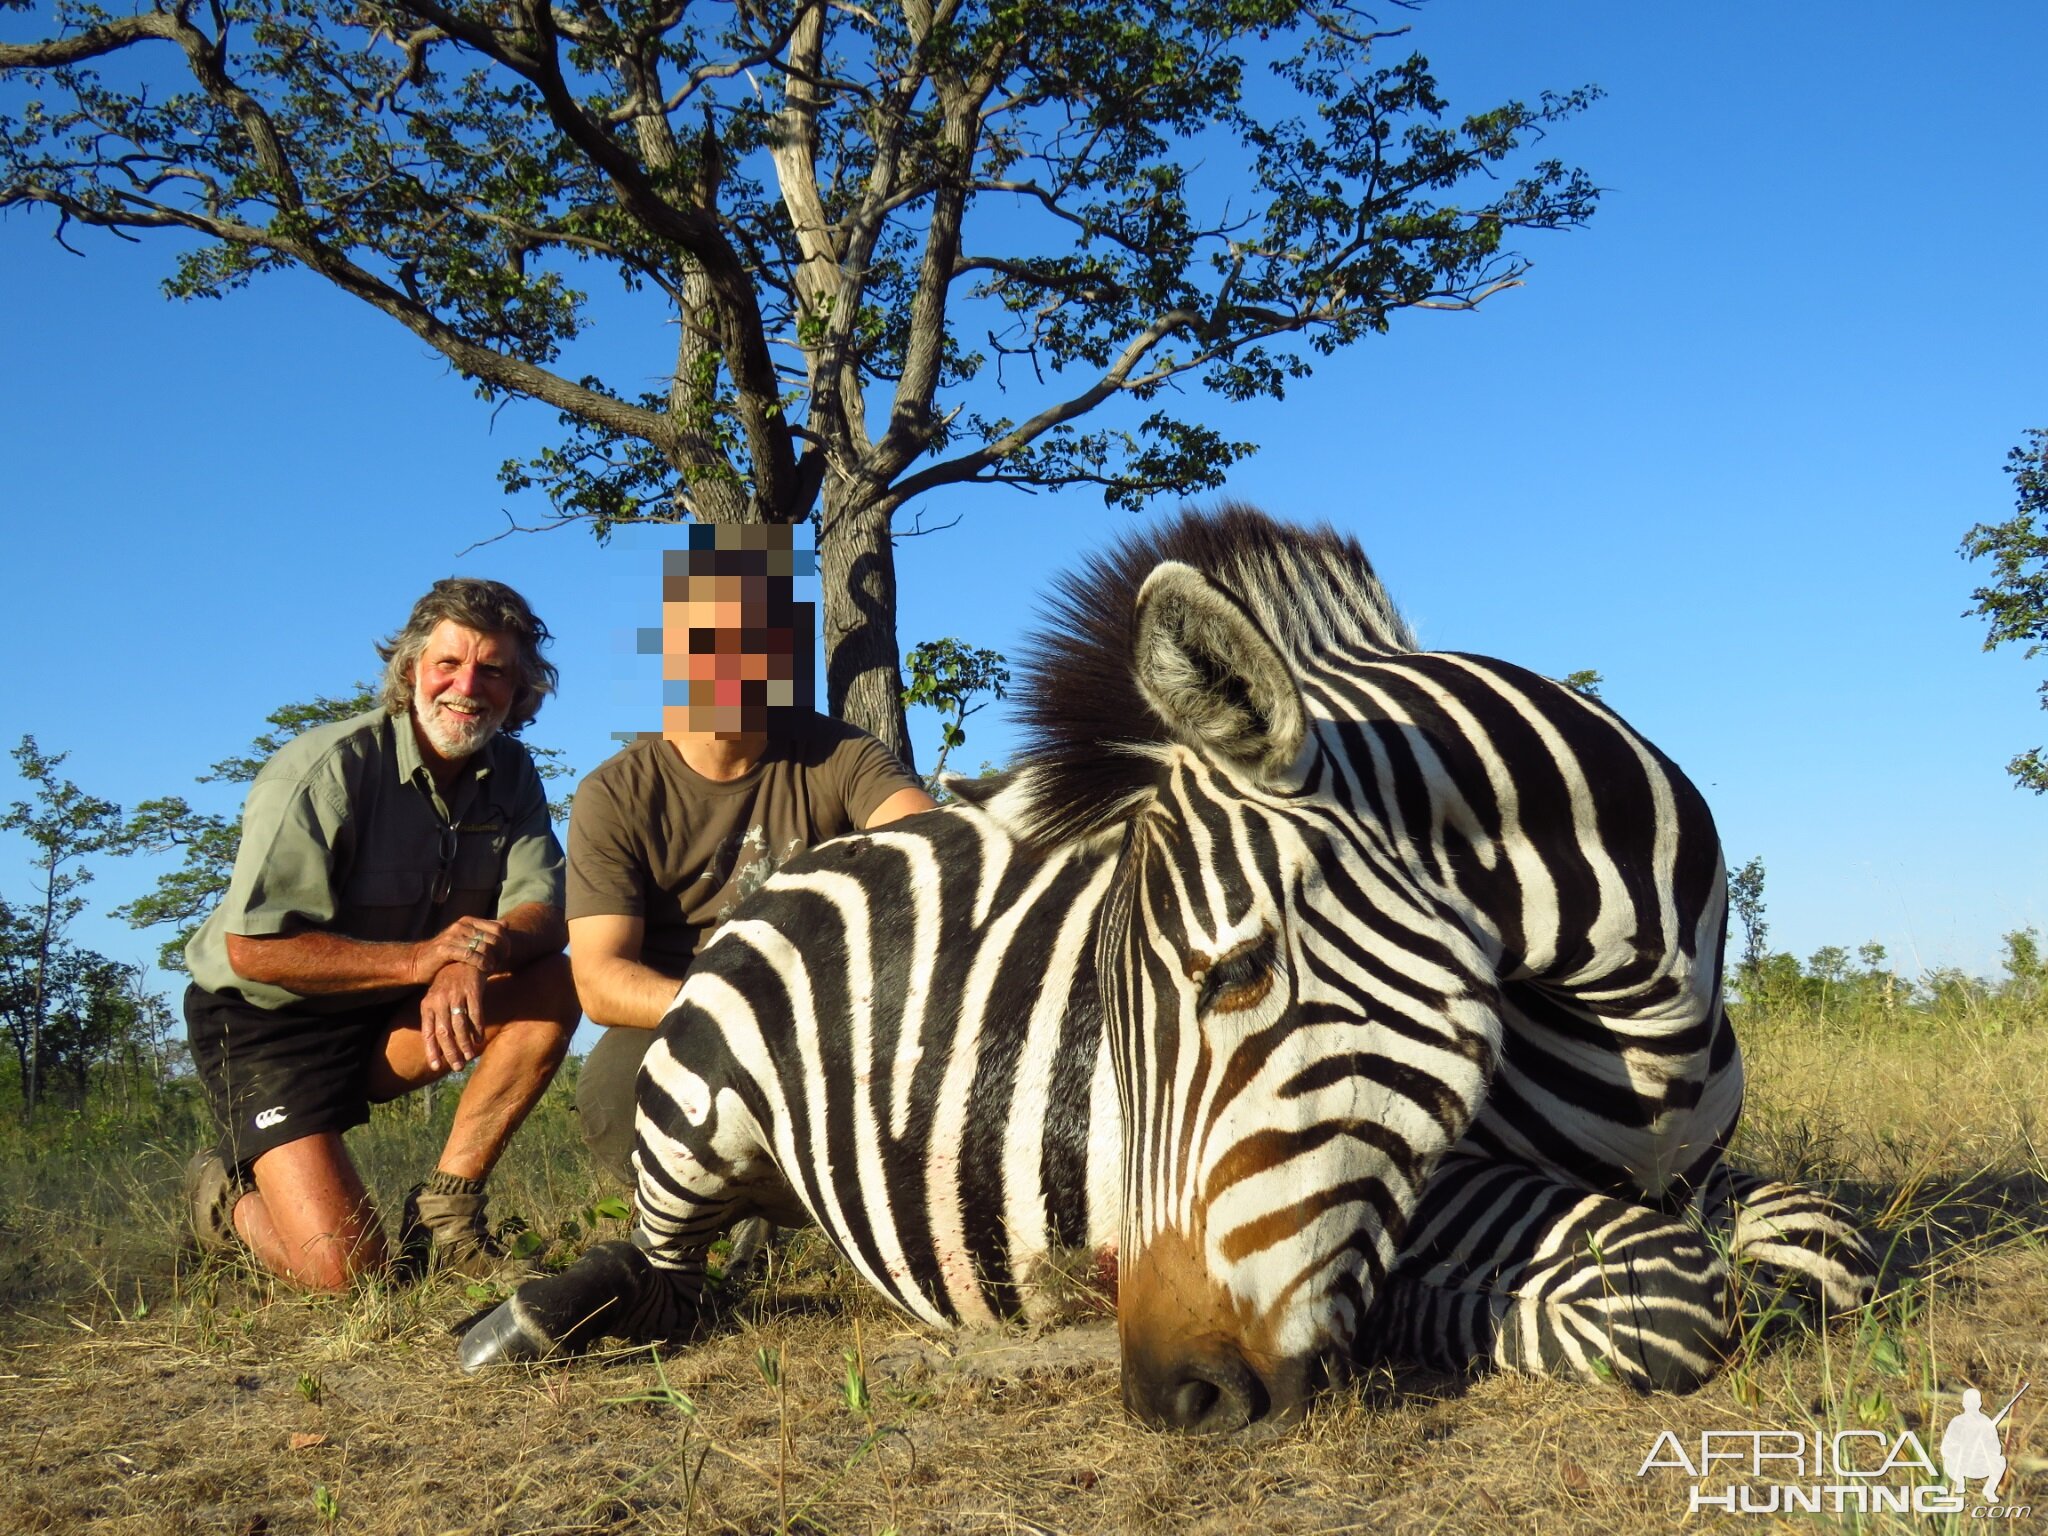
[[275, 1075]]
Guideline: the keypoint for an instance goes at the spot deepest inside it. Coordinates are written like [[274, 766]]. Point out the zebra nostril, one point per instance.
[[1214, 1396], [1193, 1400]]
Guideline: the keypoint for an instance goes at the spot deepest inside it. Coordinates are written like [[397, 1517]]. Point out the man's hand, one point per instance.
[[480, 943], [452, 1017]]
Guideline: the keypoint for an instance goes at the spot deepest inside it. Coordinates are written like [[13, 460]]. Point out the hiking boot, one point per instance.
[[211, 1189], [446, 1234]]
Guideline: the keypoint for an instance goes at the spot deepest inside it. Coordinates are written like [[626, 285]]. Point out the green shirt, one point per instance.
[[344, 831]]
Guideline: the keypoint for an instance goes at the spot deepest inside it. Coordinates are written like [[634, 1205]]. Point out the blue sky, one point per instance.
[[1722, 448]]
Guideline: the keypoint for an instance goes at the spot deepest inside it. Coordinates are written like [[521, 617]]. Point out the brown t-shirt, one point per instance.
[[652, 838]]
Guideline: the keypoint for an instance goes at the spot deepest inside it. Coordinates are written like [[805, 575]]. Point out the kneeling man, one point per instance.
[[669, 835], [395, 915]]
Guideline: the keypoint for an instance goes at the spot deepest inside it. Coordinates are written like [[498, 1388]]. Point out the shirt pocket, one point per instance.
[[382, 904], [478, 875]]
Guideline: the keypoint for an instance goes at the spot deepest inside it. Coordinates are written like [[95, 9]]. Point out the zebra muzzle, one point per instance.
[[1211, 1392]]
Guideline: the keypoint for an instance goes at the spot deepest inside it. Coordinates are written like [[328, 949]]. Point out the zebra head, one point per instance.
[[1297, 1028]]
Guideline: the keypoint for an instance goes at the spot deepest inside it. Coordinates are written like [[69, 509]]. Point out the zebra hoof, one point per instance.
[[559, 1314], [507, 1335]]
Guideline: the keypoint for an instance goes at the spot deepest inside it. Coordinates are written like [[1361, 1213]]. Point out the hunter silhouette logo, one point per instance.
[[1973, 1446], [1848, 1471]]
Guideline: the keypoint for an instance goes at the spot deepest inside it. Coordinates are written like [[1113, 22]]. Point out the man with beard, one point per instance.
[[395, 915]]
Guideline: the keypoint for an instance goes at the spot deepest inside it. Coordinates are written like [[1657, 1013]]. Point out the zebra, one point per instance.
[[1324, 998]]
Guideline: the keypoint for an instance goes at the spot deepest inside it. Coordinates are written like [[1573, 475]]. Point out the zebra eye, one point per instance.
[[1239, 981]]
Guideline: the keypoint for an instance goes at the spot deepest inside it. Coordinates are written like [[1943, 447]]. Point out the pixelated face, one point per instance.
[[463, 686], [735, 644]]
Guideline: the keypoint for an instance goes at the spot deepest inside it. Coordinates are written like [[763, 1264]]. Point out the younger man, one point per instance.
[[667, 836]]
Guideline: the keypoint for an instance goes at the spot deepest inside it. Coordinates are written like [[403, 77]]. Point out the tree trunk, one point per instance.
[[857, 569], [18, 1034], [39, 1006]]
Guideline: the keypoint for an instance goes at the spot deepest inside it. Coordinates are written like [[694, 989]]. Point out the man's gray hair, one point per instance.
[[488, 607]]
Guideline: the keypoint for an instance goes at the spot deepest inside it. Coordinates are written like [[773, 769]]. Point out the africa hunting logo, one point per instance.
[[1864, 1471]]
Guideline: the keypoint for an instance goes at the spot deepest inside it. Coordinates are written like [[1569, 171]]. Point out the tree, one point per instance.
[[847, 213], [2015, 605], [1746, 902], [1879, 978], [99, 1017], [67, 1010], [1584, 682], [946, 676], [208, 842], [66, 826], [2026, 974]]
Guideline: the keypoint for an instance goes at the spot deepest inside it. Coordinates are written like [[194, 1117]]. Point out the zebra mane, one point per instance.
[[1096, 749]]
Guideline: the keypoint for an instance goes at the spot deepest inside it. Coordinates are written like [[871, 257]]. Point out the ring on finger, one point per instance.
[[476, 942]]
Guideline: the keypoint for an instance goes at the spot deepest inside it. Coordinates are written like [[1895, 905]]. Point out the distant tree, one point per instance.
[[24, 989], [1775, 981], [1888, 988], [70, 1012], [946, 676], [2026, 974], [98, 1018], [1952, 990], [185, 895], [207, 841], [848, 217], [1828, 967], [66, 826], [1585, 681], [2015, 605], [1829, 964], [1746, 904]]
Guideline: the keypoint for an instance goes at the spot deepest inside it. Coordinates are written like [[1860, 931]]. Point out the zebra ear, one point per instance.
[[1213, 676]]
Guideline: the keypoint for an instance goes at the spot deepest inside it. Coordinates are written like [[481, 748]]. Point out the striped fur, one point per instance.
[[1336, 998]]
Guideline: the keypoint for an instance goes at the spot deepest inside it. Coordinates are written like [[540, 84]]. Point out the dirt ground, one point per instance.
[[143, 1392]]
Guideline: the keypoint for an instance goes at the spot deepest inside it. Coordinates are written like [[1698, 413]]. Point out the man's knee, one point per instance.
[[334, 1266], [545, 992], [538, 1003], [309, 1218]]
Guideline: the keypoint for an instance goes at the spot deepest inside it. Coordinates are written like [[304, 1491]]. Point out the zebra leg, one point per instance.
[[1512, 1269], [560, 1314], [691, 1171], [1798, 1240]]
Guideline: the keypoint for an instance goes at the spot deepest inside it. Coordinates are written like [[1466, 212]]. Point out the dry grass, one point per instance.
[[142, 1392]]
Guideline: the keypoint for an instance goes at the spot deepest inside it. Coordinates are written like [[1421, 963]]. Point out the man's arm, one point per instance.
[[613, 986], [905, 802], [319, 964]]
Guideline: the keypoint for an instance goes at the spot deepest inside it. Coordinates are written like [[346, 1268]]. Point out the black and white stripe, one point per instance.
[[1336, 997]]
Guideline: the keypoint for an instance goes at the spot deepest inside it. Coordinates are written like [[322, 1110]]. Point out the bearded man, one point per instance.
[[395, 915]]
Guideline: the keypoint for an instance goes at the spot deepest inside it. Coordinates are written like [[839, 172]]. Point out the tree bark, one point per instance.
[[857, 570]]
